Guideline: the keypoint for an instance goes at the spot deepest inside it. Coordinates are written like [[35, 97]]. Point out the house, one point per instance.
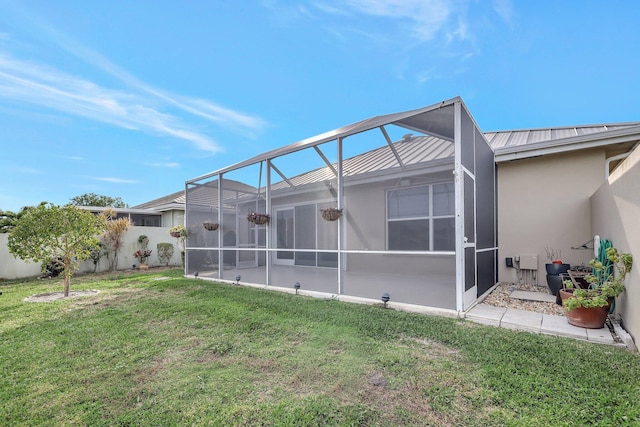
[[431, 207]]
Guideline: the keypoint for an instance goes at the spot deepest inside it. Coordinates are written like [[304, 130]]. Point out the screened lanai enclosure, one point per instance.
[[402, 204]]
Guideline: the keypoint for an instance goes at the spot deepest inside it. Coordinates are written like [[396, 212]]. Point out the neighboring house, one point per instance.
[[424, 216], [170, 208], [138, 217]]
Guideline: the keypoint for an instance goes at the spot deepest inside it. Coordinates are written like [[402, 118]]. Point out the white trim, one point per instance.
[[592, 140]]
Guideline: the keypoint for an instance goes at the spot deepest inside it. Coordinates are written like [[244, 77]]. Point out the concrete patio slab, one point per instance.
[[558, 325], [486, 314], [539, 323], [533, 296], [602, 336], [522, 320]]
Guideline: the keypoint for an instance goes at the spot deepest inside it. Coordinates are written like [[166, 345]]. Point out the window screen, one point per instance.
[[421, 218]]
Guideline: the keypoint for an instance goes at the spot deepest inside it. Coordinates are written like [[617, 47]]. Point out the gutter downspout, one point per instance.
[[607, 163]]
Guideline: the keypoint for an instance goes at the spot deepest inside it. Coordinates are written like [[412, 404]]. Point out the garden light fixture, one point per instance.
[[385, 299]]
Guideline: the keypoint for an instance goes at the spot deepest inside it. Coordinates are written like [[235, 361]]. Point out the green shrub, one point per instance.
[[165, 252]]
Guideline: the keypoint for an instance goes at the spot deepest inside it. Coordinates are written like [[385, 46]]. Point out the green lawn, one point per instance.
[[156, 349]]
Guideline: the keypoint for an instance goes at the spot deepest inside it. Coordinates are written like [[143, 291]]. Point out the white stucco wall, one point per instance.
[[615, 212], [545, 202], [12, 268]]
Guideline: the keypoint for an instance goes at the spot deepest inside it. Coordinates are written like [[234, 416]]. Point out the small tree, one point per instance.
[[93, 199], [113, 236], [8, 219], [165, 252], [49, 232]]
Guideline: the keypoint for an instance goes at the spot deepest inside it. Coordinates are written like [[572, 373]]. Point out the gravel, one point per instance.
[[501, 297]]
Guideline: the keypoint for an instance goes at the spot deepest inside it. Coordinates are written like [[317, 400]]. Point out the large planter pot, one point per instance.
[[590, 318], [554, 281], [557, 269]]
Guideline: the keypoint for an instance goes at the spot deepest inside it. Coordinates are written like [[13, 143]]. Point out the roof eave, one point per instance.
[[564, 145]]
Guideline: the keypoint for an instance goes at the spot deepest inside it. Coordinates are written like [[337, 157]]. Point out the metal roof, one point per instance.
[[511, 138], [512, 145], [204, 194], [411, 149], [437, 122]]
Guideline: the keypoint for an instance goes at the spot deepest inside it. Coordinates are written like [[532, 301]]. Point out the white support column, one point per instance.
[[220, 227], [267, 230], [459, 200], [341, 227]]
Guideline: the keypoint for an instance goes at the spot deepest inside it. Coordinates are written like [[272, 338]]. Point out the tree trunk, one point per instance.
[[67, 282]]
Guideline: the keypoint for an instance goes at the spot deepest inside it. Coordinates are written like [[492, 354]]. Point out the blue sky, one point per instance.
[[130, 99]]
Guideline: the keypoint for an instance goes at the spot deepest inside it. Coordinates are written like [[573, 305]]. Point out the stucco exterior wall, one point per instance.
[[12, 268], [545, 202], [615, 211]]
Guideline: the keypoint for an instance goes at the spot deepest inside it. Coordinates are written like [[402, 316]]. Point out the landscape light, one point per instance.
[[385, 299], [238, 277], [296, 286]]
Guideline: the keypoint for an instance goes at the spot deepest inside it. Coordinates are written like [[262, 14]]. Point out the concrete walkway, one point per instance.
[[542, 323]]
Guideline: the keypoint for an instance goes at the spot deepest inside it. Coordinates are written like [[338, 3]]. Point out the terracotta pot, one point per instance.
[[590, 318]]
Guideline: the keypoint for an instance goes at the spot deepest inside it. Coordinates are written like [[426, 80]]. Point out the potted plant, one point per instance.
[[143, 253], [210, 225], [588, 308], [178, 231], [257, 218], [181, 233], [555, 267], [331, 214]]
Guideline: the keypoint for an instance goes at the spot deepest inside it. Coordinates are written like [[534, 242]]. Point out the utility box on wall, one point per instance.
[[528, 262]]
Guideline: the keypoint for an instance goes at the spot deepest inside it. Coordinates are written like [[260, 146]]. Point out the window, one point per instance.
[[421, 218]]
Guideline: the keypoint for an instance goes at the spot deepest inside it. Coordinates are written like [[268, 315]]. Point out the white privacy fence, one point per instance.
[[12, 268]]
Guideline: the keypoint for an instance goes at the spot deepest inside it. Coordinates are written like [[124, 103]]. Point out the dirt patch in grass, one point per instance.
[[56, 296]]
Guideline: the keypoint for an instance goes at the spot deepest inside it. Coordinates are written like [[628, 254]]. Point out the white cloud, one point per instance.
[[135, 106], [26, 170], [424, 18], [163, 165], [36, 84], [115, 180], [504, 8]]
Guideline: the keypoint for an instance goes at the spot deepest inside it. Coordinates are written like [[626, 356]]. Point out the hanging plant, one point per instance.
[[178, 231], [258, 218], [331, 214], [210, 225]]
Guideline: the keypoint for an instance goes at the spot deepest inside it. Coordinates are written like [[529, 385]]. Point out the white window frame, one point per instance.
[[430, 216]]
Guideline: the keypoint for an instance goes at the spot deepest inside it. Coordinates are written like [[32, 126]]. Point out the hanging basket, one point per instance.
[[258, 218], [175, 234], [211, 226], [331, 214]]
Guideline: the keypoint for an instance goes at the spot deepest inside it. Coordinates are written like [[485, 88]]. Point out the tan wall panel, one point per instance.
[[544, 202], [615, 216]]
